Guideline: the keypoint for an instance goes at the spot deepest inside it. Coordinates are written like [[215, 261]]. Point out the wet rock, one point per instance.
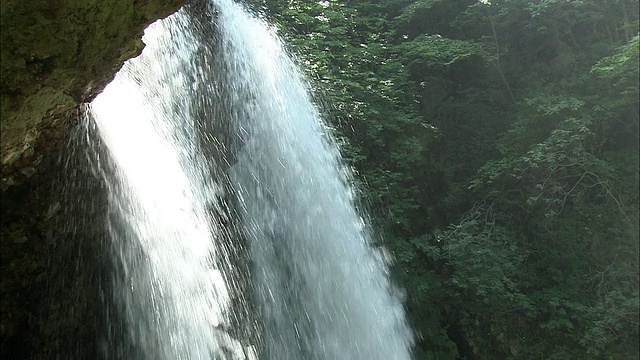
[[56, 54]]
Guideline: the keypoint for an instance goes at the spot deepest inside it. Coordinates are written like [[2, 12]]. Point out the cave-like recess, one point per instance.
[[55, 55]]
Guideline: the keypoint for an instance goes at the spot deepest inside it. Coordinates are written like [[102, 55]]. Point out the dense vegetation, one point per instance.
[[497, 144]]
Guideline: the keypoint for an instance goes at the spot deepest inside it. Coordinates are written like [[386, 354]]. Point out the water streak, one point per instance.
[[217, 143], [175, 297], [323, 289]]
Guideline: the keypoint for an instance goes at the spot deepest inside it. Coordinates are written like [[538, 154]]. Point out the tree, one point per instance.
[[496, 144]]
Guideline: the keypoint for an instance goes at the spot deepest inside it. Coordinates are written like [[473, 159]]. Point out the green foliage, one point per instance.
[[428, 53], [484, 259], [622, 64], [622, 68], [496, 144]]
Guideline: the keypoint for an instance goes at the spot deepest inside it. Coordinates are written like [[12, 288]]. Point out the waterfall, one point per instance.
[[231, 217], [174, 289]]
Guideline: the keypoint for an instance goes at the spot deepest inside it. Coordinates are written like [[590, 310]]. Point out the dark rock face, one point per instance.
[[55, 55]]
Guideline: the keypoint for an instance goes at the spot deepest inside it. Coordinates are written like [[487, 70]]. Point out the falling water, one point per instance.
[[174, 291], [232, 220]]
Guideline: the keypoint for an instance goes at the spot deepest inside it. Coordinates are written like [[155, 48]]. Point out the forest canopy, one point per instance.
[[496, 146]]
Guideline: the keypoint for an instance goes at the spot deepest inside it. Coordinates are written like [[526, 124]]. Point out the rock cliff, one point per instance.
[[55, 54]]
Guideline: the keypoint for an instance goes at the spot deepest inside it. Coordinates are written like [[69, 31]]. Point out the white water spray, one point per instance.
[[320, 290], [175, 298]]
